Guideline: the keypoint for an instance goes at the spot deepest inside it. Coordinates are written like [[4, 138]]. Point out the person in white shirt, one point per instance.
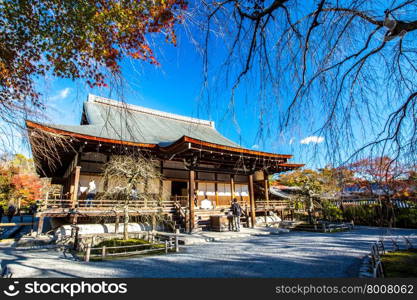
[[91, 192], [206, 204]]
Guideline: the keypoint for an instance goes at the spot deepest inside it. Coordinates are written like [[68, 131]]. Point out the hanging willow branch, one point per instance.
[[49, 146]]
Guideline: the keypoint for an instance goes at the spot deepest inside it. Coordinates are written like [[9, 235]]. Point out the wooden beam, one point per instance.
[[252, 200], [234, 149], [191, 190], [31, 124], [14, 224]]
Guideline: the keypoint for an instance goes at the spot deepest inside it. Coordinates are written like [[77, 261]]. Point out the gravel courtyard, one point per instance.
[[294, 254]]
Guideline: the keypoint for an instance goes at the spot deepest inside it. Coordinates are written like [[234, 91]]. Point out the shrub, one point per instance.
[[331, 212], [406, 217], [361, 214]]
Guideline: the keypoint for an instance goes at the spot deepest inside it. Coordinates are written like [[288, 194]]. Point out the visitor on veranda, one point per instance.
[[91, 192], [134, 193], [237, 212]]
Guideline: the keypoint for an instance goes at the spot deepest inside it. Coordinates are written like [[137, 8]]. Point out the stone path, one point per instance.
[[294, 254]]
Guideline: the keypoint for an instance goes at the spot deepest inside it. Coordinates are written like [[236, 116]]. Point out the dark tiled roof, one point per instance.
[[111, 119]]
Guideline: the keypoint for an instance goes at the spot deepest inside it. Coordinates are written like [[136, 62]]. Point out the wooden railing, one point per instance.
[[272, 204], [105, 203], [182, 200], [55, 203]]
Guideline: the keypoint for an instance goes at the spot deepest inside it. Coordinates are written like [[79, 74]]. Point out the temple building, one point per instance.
[[196, 162]]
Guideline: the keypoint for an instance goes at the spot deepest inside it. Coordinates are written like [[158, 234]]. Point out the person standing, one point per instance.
[[91, 192], [237, 212], [134, 193], [32, 211], [10, 212]]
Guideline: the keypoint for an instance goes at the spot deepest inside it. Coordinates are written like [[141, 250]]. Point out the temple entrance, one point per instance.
[[179, 188]]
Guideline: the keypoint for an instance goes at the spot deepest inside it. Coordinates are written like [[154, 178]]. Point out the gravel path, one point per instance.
[[294, 254]]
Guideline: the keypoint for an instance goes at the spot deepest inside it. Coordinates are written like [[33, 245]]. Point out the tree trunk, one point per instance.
[[126, 222], [310, 209], [116, 225]]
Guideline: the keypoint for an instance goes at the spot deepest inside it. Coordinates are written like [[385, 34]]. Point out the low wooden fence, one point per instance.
[[369, 201], [380, 248], [169, 244], [329, 227]]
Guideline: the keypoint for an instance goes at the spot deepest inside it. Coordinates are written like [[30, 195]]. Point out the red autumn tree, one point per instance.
[[380, 175], [73, 39], [27, 188]]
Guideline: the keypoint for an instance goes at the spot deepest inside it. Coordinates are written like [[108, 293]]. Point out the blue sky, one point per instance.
[[176, 87]]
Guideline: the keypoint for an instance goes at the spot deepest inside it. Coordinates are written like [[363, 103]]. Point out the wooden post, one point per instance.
[[73, 219], [76, 238], [266, 187], [232, 187], [166, 246], [187, 220], [153, 222], [216, 190], [116, 224], [87, 253], [177, 249], [252, 201], [40, 224], [161, 182], [146, 189], [103, 252], [191, 187], [74, 197]]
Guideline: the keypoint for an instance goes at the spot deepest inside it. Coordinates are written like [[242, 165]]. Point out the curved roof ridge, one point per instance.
[[141, 109]]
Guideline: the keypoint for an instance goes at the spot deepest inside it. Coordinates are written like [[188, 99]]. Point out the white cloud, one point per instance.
[[312, 139], [256, 146], [291, 141], [63, 94]]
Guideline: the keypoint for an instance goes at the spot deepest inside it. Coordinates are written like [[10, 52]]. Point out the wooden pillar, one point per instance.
[[74, 196], [106, 180], [266, 188], [216, 192], [73, 219], [161, 182], [116, 224], [252, 201], [153, 222], [232, 187], [191, 188], [40, 224]]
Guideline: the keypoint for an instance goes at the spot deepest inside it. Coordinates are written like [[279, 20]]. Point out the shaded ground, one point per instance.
[[295, 254]]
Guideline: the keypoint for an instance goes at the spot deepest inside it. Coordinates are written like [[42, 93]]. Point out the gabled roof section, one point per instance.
[[109, 119], [138, 109]]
